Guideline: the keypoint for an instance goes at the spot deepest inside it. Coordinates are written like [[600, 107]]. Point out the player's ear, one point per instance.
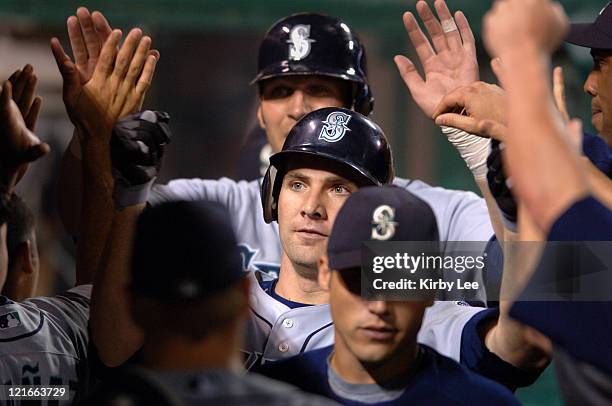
[[260, 118], [324, 273]]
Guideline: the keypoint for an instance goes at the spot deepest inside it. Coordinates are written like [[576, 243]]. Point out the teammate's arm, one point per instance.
[[114, 334]]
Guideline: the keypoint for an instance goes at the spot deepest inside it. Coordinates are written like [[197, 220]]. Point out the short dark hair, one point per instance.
[[193, 319], [20, 221]]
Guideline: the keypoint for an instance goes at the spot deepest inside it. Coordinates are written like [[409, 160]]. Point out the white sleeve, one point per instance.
[[443, 325]]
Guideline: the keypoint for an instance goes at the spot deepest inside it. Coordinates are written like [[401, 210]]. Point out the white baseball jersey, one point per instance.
[[461, 216], [276, 331], [43, 341]]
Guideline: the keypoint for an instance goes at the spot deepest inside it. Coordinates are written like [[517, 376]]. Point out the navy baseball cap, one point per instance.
[[597, 34], [184, 251], [387, 213]]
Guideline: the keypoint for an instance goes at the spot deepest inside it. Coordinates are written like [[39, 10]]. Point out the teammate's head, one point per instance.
[[598, 37], [380, 331], [328, 155], [23, 262], [187, 275], [309, 61]]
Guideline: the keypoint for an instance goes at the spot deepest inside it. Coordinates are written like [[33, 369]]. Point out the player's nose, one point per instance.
[[314, 205], [590, 84], [378, 307], [298, 105]]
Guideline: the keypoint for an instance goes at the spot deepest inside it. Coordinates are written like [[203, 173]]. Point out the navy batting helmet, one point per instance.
[[316, 44], [344, 138]]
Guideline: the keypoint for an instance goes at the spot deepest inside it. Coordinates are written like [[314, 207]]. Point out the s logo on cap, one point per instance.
[[383, 224], [335, 126], [299, 42]]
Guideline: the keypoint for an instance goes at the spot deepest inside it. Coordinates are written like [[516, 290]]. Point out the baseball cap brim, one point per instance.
[[297, 69], [589, 36]]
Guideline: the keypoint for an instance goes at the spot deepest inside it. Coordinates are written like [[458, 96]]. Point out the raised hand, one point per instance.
[[118, 84], [514, 23], [448, 64], [18, 145], [465, 106], [87, 33], [23, 88]]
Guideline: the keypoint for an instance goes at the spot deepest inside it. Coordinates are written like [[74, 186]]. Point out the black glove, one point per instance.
[[496, 177], [137, 149], [137, 146]]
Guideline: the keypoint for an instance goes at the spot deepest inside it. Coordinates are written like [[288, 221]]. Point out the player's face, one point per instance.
[[308, 203], [599, 86], [286, 99], [373, 332]]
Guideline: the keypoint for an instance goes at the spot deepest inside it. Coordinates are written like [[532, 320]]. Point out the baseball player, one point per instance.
[[43, 340], [376, 359], [329, 154], [184, 361], [300, 70]]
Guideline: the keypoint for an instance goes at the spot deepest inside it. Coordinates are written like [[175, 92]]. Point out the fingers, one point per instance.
[[449, 27], [409, 74], [417, 38], [103, 28], [36, 151], [32, 117], [107, 56], [124, 57], [144, 82], [452, 102], [498, 69], [465, 123], [574, 130], [138, 60], [466, 31], [90, 37], [492, 129], [433, 26], [67, 69], [559, 93], [7, 94], [77, 42], [20, 82]]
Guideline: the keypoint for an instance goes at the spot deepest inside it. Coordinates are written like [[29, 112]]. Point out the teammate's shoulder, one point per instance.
[[463, 385]]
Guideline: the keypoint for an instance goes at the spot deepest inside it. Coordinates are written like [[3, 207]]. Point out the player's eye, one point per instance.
[[319, 90], [341, 189], [297, 186], [277, 92]]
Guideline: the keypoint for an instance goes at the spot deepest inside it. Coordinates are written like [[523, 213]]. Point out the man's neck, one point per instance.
[[296, 288], [348, 367]]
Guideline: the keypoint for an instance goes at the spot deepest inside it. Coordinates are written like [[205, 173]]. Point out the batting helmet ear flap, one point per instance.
[[364, 100], [268, 201]]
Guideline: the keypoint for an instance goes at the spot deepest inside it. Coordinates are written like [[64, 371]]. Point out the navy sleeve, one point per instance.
[[476, 356], [585, 220]]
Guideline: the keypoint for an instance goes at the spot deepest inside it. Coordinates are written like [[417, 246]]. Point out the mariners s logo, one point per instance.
[[335, 126], [299, 42], [383, 226]]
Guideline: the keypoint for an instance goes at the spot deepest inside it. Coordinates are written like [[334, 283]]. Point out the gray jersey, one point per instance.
[[43, 340], [276, 331], [461, 216], [228, 388]]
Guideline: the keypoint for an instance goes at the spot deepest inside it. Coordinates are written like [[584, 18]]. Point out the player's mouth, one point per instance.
[[379, 333], [311, 233]]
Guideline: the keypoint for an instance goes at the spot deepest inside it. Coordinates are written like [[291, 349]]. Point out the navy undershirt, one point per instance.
[[270, 288]]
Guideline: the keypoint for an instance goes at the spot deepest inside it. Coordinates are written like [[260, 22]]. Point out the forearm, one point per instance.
[[70, 186], [512, 341], [97, 208], [114, 334], [492, 208], [538, 131]]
